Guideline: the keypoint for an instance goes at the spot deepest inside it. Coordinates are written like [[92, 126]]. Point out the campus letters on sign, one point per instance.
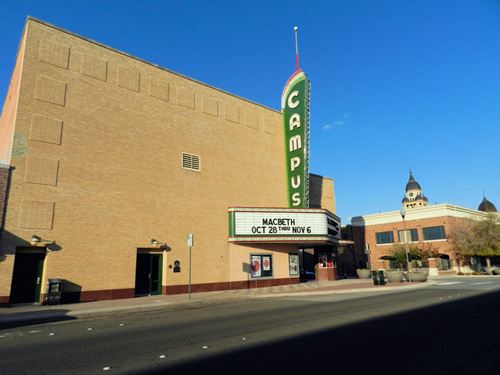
[[295, 106], [291, 102]]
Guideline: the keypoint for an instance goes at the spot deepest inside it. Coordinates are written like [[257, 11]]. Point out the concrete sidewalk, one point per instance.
[[18, 315]]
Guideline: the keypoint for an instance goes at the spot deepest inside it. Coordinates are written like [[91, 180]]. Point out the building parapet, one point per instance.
[[431, 211]]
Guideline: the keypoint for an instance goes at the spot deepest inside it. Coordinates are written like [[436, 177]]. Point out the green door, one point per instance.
[[27, 277], [156, 271], [148, 274]]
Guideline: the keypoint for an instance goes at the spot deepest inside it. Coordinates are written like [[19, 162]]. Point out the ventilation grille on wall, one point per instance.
[[190, 161]]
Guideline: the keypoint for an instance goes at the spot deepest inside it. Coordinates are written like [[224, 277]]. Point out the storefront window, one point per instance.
[[293, 264], [411, 235], [261, 265], [384, 237], [433, 233]]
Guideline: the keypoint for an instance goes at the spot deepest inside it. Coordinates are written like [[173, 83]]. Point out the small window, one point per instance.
[[190, 161], [261, 265], [410, 236], [384, 237], [434, 233]]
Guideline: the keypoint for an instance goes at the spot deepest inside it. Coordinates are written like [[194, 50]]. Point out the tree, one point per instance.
[[398, 253], [480, 238], [487, 237], [461, 241]]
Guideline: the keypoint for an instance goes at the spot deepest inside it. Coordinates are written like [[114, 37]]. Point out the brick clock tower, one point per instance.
[[413, 195]]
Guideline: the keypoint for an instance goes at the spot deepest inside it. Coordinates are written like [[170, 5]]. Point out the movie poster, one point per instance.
[[256, 267]]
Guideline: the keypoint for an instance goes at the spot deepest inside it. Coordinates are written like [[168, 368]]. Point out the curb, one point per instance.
[[349, 291]]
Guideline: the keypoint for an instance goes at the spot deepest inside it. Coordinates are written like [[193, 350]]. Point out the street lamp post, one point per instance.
[[407, 250]]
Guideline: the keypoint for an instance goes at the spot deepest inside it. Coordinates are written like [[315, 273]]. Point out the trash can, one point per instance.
[[378, 277], [381, 277], [54, 292]]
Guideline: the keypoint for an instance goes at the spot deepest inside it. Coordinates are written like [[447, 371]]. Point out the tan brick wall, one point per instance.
[[9, 109], [321, 192], [4, 183], [100, 172]]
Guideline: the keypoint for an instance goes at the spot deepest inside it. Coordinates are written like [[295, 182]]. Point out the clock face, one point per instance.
[[411, 194]]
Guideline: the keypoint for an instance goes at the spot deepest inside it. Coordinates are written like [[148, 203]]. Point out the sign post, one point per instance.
[[190, 245]]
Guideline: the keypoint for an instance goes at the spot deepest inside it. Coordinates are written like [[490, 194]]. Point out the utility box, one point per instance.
[[54, 291]]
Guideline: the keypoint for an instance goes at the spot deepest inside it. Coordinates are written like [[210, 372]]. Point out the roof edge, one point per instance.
[[355, 220], [30, 18]]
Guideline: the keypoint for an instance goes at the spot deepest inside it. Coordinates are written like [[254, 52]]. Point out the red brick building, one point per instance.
[[424, 226]]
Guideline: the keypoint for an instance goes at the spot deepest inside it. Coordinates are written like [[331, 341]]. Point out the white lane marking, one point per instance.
[[451, 283], [484, 283], [204, 347], [36, 331], [10, 334], [163, 356], [107, 368]]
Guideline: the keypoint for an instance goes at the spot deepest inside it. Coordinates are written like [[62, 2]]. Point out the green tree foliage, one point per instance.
[[480, 238], [398, 253]]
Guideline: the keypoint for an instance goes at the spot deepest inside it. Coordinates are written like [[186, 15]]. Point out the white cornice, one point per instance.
[[427, 212]]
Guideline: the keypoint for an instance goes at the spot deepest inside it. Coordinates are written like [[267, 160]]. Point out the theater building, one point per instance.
[[123, 179], [419, 224]]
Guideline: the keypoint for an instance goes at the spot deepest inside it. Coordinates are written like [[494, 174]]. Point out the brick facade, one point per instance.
[[377, 251], [447, 216], [4, 185], [97, 167]]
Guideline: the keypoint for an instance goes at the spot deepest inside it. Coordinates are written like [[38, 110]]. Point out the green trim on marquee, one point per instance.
[[232, 221], [295, 107]]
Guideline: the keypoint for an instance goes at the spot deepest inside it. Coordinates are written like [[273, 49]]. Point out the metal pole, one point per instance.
[[189, 286], [406, 246], [296, 30]]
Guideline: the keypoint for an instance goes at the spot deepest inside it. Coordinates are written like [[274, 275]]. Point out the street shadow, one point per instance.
[[71, 292], [27, 318], [448, 338]]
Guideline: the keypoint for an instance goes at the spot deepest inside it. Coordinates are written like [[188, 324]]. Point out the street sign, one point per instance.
[[190, 240]]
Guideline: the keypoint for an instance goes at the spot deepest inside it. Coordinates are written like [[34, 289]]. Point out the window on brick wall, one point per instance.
[[384, 237], [190, 161], [410, 235], [434, 233]]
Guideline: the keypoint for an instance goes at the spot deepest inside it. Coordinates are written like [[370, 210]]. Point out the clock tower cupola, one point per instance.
[[413, 195]]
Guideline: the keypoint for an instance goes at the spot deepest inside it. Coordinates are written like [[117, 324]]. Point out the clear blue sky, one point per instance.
[[395, 84]]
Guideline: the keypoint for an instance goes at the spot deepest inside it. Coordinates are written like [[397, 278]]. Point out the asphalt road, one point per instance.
[[449, 328]]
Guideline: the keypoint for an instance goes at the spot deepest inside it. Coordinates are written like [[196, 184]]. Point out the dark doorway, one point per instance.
[[306, 262], [27, 277], [148, 272]]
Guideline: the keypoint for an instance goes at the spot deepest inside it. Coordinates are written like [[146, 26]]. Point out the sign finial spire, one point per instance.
[[296, 30]]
